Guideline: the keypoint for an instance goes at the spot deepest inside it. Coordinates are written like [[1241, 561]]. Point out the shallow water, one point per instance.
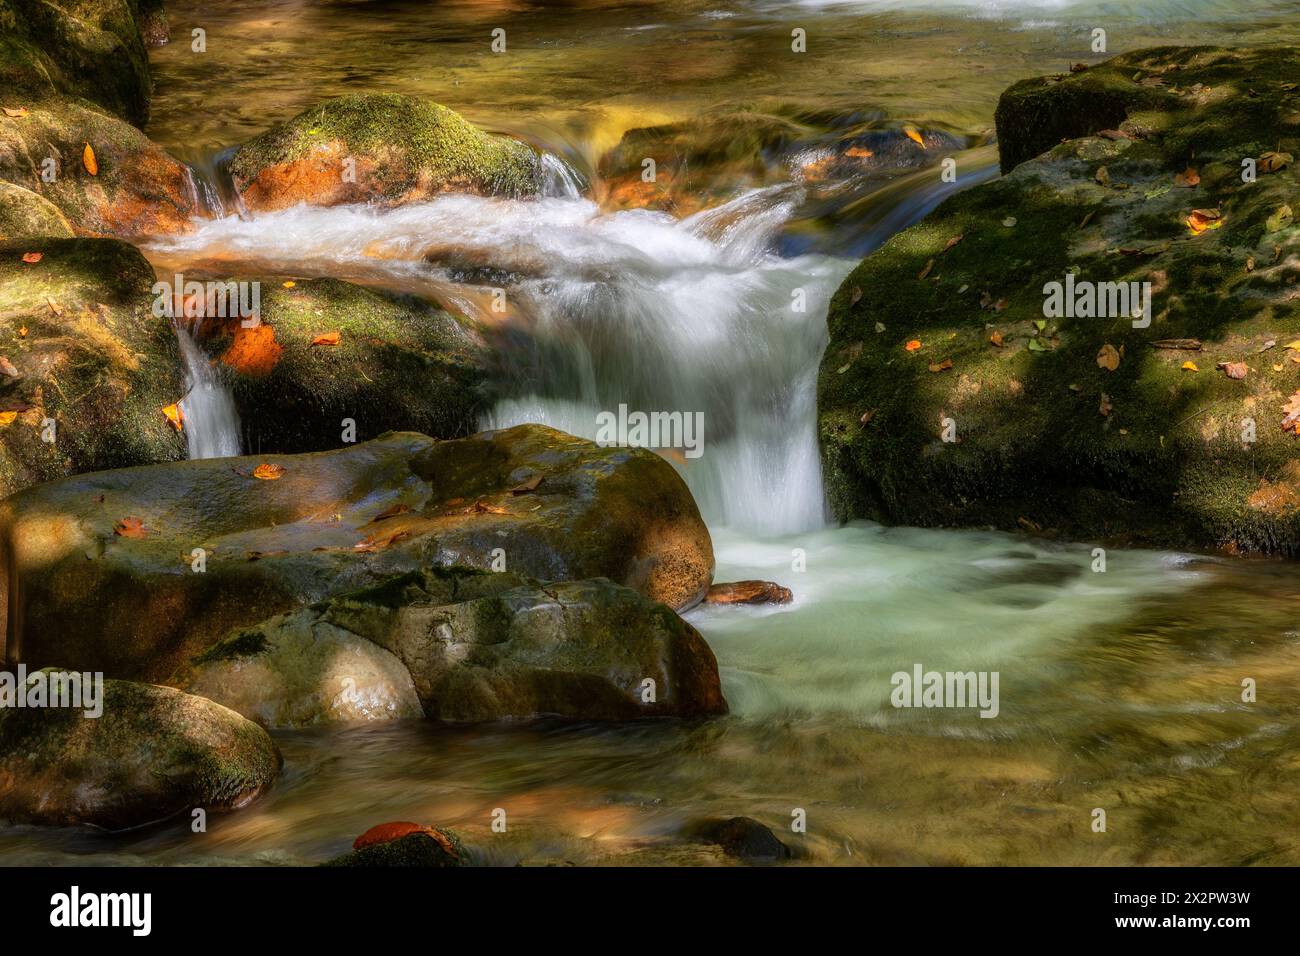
[[1118, 689]]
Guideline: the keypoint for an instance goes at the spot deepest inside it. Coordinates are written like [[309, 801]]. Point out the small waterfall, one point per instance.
[[558, 179], [211, 423]]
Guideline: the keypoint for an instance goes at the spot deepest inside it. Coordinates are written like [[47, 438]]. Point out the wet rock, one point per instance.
[[382, 148], [423, 847], [741, 837], [24, 214], [297, 670], [153, 752], [1088, 426], [136, 190], [91, 49], [749, 592], [85, 353], [399, 363], [151, 17], [98, 591]]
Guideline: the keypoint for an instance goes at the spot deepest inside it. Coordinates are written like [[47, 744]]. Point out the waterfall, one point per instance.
[[211, 423]]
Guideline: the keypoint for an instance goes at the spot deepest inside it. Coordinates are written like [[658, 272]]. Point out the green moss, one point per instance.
[[248, 642], [24, 214], [413, 850], [1166, 463], [407, 137]]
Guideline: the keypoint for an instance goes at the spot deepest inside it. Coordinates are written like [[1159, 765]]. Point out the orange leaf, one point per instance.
[[1292, 409], [174, 415], [1234, 369], [88, 160], [33, 257], [1188, 178], [1108, 358], [913, 345], [914, 135], [329, 338], [15, 112], [941, 366], [996, 338], [1202, 219], [130, 528], [7, 418], [268, 472]]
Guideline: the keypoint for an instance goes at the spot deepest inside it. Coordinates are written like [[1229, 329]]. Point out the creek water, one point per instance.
[[1119, 689]]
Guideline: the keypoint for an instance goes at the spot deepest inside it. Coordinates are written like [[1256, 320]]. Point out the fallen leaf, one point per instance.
[[1271, 162], [17, 112], [1108, 357], [952, 242], [941, 366], [914, 135], [1234, 369], [859, 152], [33, 257], [268, 472], [174, 415], [1088, 218], [926, 271], [7, 367], [1105, 407], [1102, 176], [130, 527], [54, 306], [1280, 218], [1293, 346], [1292, 420], [996, 338], [1189, 367], [855, 296], [1187, 178], [1009, 221], [7, 418], [329, 338], [289, 283], [88, 160], [22, 333], [1181, 345], [1113, 134], [392, 511], [1202, 219], [913, 345], [527, 486]]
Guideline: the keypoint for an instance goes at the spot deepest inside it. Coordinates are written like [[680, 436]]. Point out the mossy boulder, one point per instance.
[[25, 214], [85, 48], [101, 569], [86, 352], [947, 395], [326, 350], [137, 189], [419, 849], [383, 148], [154, 752], [479, 645]]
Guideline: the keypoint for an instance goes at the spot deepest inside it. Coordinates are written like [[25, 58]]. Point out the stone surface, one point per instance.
[[153, 753]]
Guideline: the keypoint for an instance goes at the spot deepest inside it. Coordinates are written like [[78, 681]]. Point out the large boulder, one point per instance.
[[135, 571], [950, 393], [85, 48], [152, 753], [479, 646], [327, 350], [382, 148], [131, 188], [84, 351]]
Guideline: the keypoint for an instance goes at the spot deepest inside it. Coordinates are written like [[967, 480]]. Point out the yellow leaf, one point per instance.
[[1108, 357], [174, 415], [1293, 346], [88, 160], [1190, 367], [289, 284], [914, 135], [7, 418], [15, 112], [268, 472]]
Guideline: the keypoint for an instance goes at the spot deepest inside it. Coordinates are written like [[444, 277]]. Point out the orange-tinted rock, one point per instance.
[[749, 592]]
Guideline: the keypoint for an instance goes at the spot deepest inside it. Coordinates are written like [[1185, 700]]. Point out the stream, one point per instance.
[[1119, 688]]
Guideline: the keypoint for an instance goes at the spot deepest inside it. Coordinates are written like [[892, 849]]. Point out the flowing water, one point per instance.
[[1120, 689]]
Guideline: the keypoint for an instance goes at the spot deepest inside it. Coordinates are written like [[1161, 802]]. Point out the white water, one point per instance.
[[632, 308], [211, 422]]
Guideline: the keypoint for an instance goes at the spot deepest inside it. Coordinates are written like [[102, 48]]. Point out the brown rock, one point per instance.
[[748, 592]]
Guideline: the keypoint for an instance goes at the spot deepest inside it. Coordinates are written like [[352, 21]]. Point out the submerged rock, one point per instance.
[[153, 752], [89, 369], [397, 363], [90, 49], [741, 837], [164, 560], [135, 189], [749, 592], [421, 847], [479, 645], [951, 393], [381, 148]]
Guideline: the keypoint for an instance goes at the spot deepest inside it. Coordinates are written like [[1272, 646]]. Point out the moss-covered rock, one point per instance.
[[137, 189], [398, 364], [25, 214], [152, 753], [479, 645], [378, 147], [87, 353], [419, 849], [86, 48], [1028, 427], [104, 565]]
